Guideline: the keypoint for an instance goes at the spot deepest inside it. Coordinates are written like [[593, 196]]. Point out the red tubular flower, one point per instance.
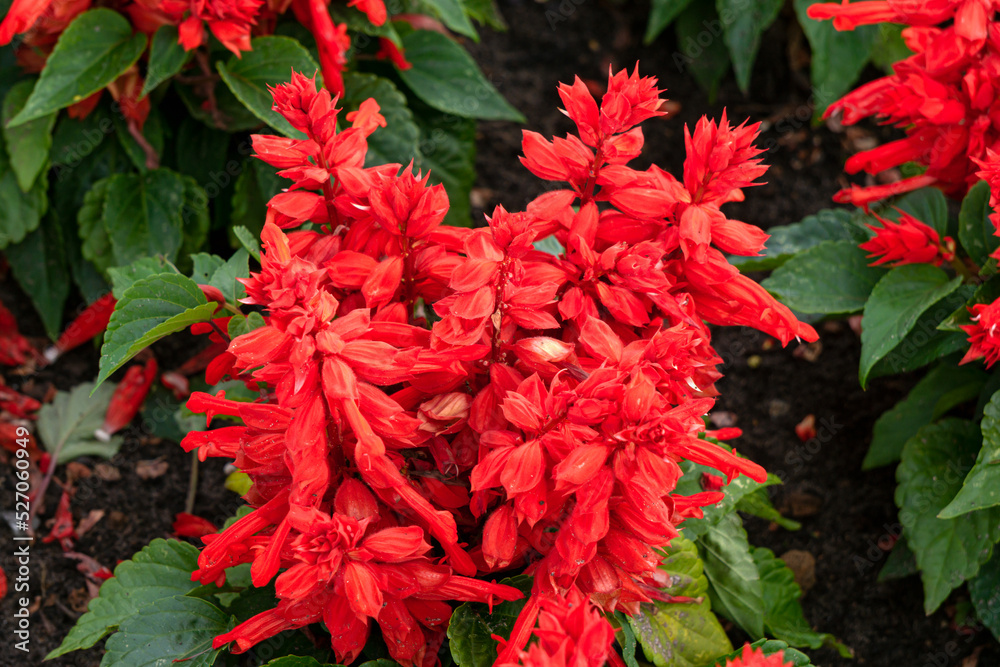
[[984, 340], [909, 241], [91, 322], [189, 525], [332, 39], [62, 529], [127, 399], [943, 96], [373, 9], [387, 50], [753, 657], [16, 403]]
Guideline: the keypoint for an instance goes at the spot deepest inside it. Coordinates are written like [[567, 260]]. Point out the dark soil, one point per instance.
[[854, 511]]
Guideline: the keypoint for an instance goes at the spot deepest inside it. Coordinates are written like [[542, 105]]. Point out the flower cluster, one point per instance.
[[440, 403], [944, 96]]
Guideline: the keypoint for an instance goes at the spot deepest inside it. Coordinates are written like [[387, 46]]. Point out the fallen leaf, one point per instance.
[[803, 566], [88, 522], [151, 468], [107, 472], [76, 470], [801, 504]]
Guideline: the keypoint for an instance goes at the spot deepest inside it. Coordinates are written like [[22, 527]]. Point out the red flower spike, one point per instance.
[[984, 339], [189, 525], [540, 419], [753, 657], [127, 399], [88, 324], [909, 241]]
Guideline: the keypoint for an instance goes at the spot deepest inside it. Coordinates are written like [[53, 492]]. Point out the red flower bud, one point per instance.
[[127, 399], [91, 322]]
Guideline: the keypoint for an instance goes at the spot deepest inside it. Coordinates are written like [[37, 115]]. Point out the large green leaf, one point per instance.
[[709, 62], [939, 391], [831, 278], [173, 630], [399, 140], [830, 224], [743, 25], [40, 266], [930, 473], [981, 488], [123, 277], [150, 309], [472, 626], [734, 583], [158, 572], [837, 56], [661, 14], [144, 215], [222, 274], [452, 14], [899, 563], [28, 144], [269, 62], [926, 343], [681, 634], [448, 150], [985, 593], [783, 616], [21, 212], [166, 58], [975, 231], [92, 51], [895, 305], [67, 424], [228, 114], [447, 78]]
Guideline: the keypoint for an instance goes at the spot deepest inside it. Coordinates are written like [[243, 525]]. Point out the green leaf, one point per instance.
[[626, 639], [975, 231], [399, 140], [194, 219], [985, 593], [92, 51], [708, 63], [356, 21], [948, 551], [837, 56], [225, 276], [175, 629], [301, 661], [240, 325], [149, 310], [925, 344], [830, 224], [152, 132], [21, 212], [67, 424], [783, 616], [743, 25], [166, 58], [928, 205], [895, 305], [452, 14], [28, 144], [674, 634], [759, 504], [472, 626], [202, 155], [661, 13], [123, 277], [448, 151], [939, 391], [739, 488], [158, 572], [734, 582], [981, 488], [901, 562], [832, 278], [987, 292], [143, 215], [229, 113], [447, 78], [96, 245], [269, 62], [889, 47], [248, 240], [39, 264], [486, 12]]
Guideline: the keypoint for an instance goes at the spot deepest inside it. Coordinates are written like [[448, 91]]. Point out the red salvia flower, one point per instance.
[[754, 657], [127, 399], [88, 324], [908, 241], [190, 525], [944, 95], [984, 339], [455, 394]]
